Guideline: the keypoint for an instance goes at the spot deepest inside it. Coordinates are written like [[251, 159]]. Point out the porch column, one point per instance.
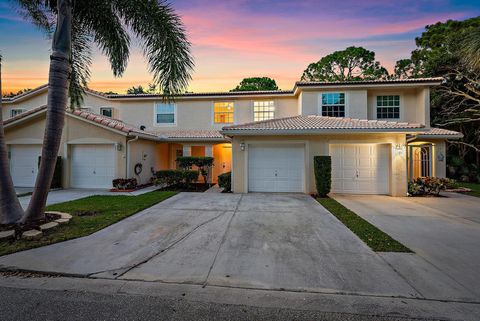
[[187, 150], [209, 153]]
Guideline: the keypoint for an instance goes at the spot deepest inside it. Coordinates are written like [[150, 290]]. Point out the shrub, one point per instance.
[[428, 186], [323, 174], [203, 163], [190, 177], [225, 181], [174, 177], [125, 183], [169, 177]]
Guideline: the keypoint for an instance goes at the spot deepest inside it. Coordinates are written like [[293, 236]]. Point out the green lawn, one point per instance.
[[475, 187], [372, 236], [108, 209]]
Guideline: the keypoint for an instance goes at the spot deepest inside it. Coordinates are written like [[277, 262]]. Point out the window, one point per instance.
[[16, 112], [263, 110], [333, 104], [165, 113], [388, 107], [223, 113], [106, 111]]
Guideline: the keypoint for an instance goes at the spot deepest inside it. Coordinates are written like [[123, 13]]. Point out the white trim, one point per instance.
[[263, 100], [25, 141], [175, 115], [105, 108]]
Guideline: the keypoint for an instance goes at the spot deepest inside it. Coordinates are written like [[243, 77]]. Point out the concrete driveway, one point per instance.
[[443, 232], [257, 241]]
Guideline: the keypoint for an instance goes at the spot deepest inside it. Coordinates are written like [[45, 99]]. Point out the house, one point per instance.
[[377, 132]]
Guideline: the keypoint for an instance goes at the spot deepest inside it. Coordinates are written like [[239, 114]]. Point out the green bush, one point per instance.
[[323, 174], [125, 183], [225, 181], [428, 186], [171, 177], [203, 163]]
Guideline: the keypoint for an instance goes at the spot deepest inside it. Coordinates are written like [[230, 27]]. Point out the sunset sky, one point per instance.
[[233, 39]]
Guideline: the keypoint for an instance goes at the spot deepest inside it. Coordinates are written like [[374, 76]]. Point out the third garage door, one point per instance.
[[92, 166], [360, 168], [276, 168]]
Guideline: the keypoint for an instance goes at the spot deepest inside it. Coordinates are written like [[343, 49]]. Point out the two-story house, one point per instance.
[[377, 132]]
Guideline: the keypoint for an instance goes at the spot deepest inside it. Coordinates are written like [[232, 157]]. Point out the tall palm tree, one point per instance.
[[471, 49], [77, 25]]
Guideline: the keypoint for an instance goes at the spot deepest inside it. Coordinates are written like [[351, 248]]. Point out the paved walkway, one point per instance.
[[444, 233]]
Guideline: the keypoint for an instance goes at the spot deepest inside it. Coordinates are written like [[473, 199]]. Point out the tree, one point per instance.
[[450, 50], [13, 94], [351, 64], [256, 84], [106, 24], [405, 68], [136, 90]]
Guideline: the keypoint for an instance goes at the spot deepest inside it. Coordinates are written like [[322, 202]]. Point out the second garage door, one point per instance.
[[276, 168], [360, 168], [92, 166]]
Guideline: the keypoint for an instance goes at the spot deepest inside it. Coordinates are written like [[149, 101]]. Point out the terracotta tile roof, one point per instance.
[[208, 94], [192, 134], [112, 123], [24, 114], [440, 132], [319, 123], [369, 82]]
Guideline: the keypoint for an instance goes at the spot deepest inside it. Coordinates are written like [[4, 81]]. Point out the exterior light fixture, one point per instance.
[[242, 146], [118, 147]]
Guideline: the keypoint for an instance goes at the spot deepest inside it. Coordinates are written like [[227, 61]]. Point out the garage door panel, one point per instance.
[[276, 168], [24, 164], [364, 168], [93, 166]]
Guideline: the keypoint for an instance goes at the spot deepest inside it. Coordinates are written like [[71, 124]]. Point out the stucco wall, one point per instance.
[[27, 104], [143, 152], [319, 145]]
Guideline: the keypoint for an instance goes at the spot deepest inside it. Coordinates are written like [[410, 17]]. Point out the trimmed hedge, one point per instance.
[[174, 177], [203, 163], [323, 174], [225, 181]]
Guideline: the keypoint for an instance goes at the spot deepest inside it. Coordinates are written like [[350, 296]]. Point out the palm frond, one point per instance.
[[164, 40], [81, 63], [39, 13]]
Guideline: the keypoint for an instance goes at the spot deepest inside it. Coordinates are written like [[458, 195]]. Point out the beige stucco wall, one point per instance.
[[27, 104], [319, 145], [143, 152]]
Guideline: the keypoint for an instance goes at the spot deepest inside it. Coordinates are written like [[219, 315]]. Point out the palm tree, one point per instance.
[[471, 49], [76, 26]]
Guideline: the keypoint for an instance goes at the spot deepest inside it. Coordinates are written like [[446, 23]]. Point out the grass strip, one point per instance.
[[103, 211], [376, 239]]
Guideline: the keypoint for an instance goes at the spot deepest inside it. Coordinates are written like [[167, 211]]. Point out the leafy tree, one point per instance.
[[256, 84], [136, 90], [13, 94], [110, 93], [351, 64], [448, 49], [76, 27], [405, 68]]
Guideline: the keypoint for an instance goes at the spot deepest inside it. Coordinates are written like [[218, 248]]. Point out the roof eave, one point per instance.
[[192, 139], [275, 132], [427, 136]]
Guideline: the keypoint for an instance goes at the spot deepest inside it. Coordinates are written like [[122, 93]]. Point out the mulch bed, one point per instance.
[[34, 225], [116, 190]]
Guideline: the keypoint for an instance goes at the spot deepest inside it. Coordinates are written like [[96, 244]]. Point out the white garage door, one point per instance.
[[360, 168], [276, 168], [92, 166], [24, 164]]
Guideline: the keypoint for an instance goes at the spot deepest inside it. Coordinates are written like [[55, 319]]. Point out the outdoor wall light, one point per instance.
[[242, 146], [118, 147], [399, 149], [441, 157]]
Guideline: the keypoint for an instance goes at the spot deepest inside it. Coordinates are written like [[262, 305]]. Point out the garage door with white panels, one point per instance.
[[360, 168], [24, 164], [92, 166], [276, 168]]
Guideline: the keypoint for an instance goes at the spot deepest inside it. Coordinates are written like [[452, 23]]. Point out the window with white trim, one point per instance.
[[263, 110], [223, 112], [388, 107], [333, 104], [16, 112], [165, 113], [106, 111]]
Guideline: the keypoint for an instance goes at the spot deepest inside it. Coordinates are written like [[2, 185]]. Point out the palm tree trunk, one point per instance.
[[57, 100], [10, 209]]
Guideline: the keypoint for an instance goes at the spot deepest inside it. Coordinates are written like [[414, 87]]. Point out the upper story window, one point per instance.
[[16, 112], [333, 104], [388, 107], [263, 110], [165, 114], [223, 112], [106, 111]]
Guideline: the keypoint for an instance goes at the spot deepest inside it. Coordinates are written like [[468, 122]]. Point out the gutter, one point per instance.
[[260, 132]]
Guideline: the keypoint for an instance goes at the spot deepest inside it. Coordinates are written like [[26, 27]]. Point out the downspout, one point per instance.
[[128, 154]]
